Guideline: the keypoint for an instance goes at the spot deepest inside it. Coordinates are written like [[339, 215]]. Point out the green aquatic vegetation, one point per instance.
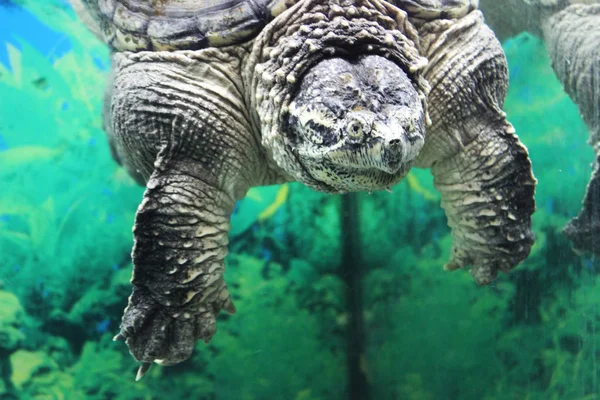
[[415, 388], [556, 359], [272, 347], [65, 205], [25, 365], [22, 156], [317, 216], [256, 355], [431, 324], [105, 295], [105, 379], [97, 374], [11, 319], [405, 217], [571, 346]]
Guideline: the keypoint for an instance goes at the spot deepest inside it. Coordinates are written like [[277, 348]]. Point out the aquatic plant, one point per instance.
[[410, 295], [258, 356], [409, 216], [317, 216], [66, 206]]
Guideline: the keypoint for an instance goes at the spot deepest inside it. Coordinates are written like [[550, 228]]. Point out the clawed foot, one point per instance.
[[164, 335], [484, 272], [485, 268]]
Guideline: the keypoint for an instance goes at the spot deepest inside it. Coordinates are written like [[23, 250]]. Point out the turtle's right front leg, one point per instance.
[[180, 233], [179, 120]]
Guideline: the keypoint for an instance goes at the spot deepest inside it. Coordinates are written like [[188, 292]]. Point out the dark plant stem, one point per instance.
[[351, 271], [5, 376]]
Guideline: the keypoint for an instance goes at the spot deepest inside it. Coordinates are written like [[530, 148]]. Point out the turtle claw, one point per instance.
[[229, 306], [119, 337], [159, 334], [144, 367]]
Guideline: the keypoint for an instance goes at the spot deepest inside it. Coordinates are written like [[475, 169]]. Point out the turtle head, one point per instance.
[[356, 124]]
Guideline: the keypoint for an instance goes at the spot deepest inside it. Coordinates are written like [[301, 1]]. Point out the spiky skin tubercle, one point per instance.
[[342, 95]]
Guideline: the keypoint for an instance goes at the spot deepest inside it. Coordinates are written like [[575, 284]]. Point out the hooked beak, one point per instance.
[[397, 148]]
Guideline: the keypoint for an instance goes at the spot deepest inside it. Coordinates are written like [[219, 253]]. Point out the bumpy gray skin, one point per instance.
[[571, 29], [342, 95]]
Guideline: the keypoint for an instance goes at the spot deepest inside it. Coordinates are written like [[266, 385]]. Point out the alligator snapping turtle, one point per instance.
[[210, 98], [571, 30]]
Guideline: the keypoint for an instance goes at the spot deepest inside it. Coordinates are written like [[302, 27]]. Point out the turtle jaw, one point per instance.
[[345, 177], [374, 165]]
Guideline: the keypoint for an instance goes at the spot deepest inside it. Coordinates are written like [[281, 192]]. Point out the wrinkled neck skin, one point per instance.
[[302, 37]]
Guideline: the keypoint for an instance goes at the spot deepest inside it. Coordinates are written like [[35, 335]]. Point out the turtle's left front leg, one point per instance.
[[180, 232], [488, 195], [479, 165]]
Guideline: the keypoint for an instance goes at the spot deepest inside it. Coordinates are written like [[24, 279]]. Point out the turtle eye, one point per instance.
[[355, 129]]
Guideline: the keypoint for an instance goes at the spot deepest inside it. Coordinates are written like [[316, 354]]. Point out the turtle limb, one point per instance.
[[487, 192], [573, 41], [179, 120], [180, 233], [481, 169]]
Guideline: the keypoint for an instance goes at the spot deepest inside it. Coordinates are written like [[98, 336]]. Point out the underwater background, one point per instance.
[[302, 264]]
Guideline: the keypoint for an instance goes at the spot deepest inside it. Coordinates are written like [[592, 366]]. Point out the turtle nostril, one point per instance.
[[394, 148], [395, 143]]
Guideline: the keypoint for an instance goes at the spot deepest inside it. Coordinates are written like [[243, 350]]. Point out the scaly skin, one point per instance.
[[190, 139], [571, 30], [202, 127], [481, 169]]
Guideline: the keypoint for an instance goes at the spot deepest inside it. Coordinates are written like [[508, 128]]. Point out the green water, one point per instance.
[[66, 211]]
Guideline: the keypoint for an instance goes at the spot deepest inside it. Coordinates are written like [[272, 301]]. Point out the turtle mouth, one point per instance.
[[388, 156], [388, 166], [397, 169], [391, 166], [359, 178], [355, 167]]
